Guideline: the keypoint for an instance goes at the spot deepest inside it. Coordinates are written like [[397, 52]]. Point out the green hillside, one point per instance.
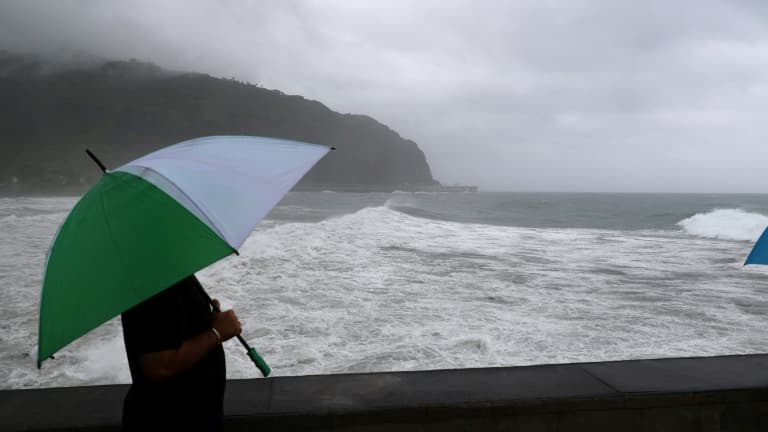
[[121, 110]]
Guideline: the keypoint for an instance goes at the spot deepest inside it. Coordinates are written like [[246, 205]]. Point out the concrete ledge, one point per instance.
[[685, 394]]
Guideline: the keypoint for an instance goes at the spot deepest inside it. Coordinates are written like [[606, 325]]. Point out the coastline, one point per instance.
[[21, 190]]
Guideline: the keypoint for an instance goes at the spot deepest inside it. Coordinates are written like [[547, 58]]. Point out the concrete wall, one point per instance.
[[694, 394]]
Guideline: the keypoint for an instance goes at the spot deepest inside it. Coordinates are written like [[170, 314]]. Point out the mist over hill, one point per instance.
[[51, 111]]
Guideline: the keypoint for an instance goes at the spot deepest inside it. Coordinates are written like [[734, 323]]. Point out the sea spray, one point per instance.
[[726, 224], [335, 283]]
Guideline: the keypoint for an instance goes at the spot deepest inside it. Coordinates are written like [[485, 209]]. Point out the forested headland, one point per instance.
[[50, 113]]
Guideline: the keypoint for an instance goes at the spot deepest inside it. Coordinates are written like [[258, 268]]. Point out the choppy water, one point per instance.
[[335, 283]]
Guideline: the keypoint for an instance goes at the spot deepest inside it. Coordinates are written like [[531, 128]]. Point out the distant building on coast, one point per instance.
[[405, 187], [448, 189]]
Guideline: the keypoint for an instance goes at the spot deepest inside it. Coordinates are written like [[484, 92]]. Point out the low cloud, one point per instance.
[[510, 95]]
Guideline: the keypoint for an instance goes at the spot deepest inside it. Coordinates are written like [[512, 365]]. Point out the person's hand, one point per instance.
[[226, 322]]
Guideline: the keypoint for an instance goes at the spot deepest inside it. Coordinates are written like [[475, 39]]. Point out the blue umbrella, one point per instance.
[[759, 254]]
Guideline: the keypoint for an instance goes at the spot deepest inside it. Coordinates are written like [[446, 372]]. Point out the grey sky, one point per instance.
[[601, 95]]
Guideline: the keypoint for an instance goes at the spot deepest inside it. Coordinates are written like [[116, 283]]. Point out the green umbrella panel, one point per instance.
[[125, 241]]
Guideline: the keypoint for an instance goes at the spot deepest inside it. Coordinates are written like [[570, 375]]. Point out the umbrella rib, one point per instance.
[[202, 211], [208, 163], [112, 240]]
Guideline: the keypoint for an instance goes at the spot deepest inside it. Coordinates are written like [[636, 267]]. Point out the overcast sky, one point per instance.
[[590, 95]]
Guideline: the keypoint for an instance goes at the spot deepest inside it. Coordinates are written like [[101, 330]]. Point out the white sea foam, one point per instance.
[[382, 290], [103, 359], [379, 290], [726, 224], [14, 219]]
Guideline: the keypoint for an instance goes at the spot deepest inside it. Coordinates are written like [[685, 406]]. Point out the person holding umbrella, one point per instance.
[[131, 246], [173, 342]]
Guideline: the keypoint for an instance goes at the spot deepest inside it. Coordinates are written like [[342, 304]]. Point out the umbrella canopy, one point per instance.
[[158, 219], [759, 254]]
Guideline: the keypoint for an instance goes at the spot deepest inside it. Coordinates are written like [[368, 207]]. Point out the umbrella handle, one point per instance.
[[254, 356], [259, 362]]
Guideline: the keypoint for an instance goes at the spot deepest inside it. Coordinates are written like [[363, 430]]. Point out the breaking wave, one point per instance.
[[726, 224]]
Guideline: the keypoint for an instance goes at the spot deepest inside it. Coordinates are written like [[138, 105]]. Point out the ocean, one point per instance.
[[342, 282]]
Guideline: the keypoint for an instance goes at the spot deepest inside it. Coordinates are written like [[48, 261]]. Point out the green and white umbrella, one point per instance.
[[156, 220]]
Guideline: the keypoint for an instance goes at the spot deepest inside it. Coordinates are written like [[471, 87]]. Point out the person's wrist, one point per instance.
[[217, 334]]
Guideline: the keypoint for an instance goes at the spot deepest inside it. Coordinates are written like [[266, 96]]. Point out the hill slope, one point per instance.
[[122, 110]]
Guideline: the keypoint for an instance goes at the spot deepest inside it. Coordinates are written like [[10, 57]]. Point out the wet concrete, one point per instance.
[[727, 393]]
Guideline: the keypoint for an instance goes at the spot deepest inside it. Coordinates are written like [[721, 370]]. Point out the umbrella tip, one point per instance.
[[40, 361], [333, 148], [97, 161]]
